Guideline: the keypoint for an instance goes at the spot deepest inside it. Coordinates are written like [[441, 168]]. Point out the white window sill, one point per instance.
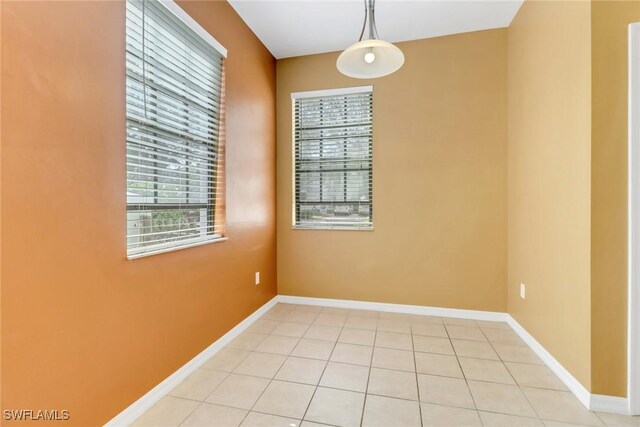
[[162, 250], [331, 228]]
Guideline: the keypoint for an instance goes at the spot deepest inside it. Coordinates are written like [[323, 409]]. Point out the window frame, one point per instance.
[[216, 150], [294, 205]]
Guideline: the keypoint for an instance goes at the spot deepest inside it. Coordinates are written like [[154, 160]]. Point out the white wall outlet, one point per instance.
[[522, 290], [257, 278]]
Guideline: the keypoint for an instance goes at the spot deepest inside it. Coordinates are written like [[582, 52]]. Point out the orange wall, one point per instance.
[[84, 329], [439, 181], [0, 207], [549, 163]]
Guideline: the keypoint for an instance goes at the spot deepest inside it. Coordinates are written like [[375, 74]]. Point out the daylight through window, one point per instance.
[[333, 159], [175, 164]]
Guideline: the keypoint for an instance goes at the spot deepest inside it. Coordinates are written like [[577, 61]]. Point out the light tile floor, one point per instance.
[[311, 366]]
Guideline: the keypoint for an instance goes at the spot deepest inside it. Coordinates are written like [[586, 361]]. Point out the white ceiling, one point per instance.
[[302, 27]]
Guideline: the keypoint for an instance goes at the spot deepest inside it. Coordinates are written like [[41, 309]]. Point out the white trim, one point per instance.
[[397, 308], [583, 395], [593, 402], [141, 253], [633, 263], [611, 404], [191, 23], [137, 408], [331, 227], [332, 92]]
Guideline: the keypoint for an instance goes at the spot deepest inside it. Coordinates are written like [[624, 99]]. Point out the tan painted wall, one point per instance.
[[549, 172], [439, 186], [609, 194], [93, 318], [84, 329]]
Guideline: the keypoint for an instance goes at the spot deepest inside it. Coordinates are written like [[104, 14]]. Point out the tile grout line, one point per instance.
[[401, 370], [535, 411], [200, 403], [285, 361], [415, 366], [340, 389], [253, 351], [271, 379], [325, 366], [332, 388], [366, 387], [189, 414], [520, 387], [464, 376], [601, 420], [229, 374]]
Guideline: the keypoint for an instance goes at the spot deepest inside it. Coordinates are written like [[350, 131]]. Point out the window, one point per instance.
[[174, 83], [333, 159]]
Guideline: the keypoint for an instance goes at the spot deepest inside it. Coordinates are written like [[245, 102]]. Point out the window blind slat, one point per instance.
[[169, 147], [158, 48], [178, 93], [167, 184], [154, 100], [333, 161], [175, 175], [167, 163], [161, 72], [168, 25], [144, 130]]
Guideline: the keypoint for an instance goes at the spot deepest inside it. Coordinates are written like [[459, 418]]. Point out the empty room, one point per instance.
[[304, 213]]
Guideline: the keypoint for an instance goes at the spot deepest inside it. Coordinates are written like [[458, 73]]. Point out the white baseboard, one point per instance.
[[138, 407], [397, 308], [594, 402], [613, 404], [583, 395]]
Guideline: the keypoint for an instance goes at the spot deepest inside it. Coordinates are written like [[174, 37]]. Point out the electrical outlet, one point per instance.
[[522, 290], [257, 278]]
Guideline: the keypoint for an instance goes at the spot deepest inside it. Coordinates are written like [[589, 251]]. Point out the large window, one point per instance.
[[333, 159], [175, 165]]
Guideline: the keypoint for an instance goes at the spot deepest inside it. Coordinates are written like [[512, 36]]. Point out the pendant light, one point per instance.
[[370, 58]]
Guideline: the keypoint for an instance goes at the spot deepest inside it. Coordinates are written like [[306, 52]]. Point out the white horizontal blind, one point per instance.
[[175, 157], [333, 160]]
